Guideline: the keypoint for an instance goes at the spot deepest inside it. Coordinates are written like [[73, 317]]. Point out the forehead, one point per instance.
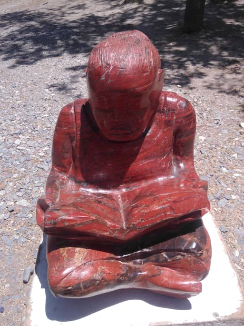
[[114, 79]]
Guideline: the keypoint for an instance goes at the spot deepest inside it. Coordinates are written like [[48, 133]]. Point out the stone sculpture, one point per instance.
[[123, 202]]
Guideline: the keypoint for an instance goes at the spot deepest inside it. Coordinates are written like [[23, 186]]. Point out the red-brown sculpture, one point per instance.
[[123, 202]]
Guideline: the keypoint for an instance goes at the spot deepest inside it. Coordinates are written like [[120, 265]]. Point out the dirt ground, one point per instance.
[[44, 47]]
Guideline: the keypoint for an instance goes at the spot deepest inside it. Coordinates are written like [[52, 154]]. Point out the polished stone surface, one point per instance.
[[123, 202]]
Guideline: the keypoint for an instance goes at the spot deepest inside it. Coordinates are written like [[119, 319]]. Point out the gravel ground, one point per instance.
[[43, 54]]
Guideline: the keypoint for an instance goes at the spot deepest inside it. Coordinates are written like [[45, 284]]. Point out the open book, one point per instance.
[[123, 215]]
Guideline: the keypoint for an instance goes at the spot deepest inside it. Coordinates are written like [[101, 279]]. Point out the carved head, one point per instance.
[[124, 83]]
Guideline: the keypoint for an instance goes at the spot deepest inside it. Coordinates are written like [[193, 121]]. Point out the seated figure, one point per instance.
[[123, 202]]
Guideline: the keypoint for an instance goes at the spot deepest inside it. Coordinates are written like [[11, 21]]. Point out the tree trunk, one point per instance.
[[193, 21]]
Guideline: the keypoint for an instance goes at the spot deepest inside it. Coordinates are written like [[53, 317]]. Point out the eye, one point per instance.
[[101, 99], [140, 113]]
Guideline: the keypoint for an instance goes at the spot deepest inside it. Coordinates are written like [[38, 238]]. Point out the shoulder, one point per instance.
[[67, 113], [70, 108], [172, 100], [175, 104], [66, 116], [78, 104]]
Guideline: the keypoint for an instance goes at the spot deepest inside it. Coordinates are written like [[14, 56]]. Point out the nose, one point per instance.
[[119, 114]]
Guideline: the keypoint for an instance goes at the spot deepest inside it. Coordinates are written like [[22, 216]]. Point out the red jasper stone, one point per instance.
[[123, 202]]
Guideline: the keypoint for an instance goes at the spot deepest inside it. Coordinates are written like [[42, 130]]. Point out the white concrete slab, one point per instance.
[[221, 297]]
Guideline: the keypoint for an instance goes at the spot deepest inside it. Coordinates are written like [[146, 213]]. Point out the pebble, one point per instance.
[[215, 314], [23, 202], [205, 177], [240, 242], [35, 254], [7, 241], [203, 151], [6, 298], [228, 197], [223, 229], [222, 202], [21, 240], [19, 193], [10, 209], [242, 124], [2, 208], [237, 150], [239, 232], [6, 216], [24, 212], [234, 258], [1, 309], [236, 253], [27, 274]]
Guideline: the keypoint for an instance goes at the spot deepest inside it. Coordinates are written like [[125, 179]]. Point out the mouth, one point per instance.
[[120, 132], [121, 129]]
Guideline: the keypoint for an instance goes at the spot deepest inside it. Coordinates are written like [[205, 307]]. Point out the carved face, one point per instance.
[[123, 113]]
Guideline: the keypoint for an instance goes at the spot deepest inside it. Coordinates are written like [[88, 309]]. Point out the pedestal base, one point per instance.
[[220, 299]]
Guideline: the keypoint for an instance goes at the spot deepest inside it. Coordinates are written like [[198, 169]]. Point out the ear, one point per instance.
[[160, 74]]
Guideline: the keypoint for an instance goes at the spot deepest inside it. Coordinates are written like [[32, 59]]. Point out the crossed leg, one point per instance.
[[172, 267]]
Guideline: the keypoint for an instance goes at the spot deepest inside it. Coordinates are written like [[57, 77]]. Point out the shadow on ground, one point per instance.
[[30, 36]]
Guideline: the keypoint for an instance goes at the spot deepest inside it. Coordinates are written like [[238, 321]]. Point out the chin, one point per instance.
[[122, 137]]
